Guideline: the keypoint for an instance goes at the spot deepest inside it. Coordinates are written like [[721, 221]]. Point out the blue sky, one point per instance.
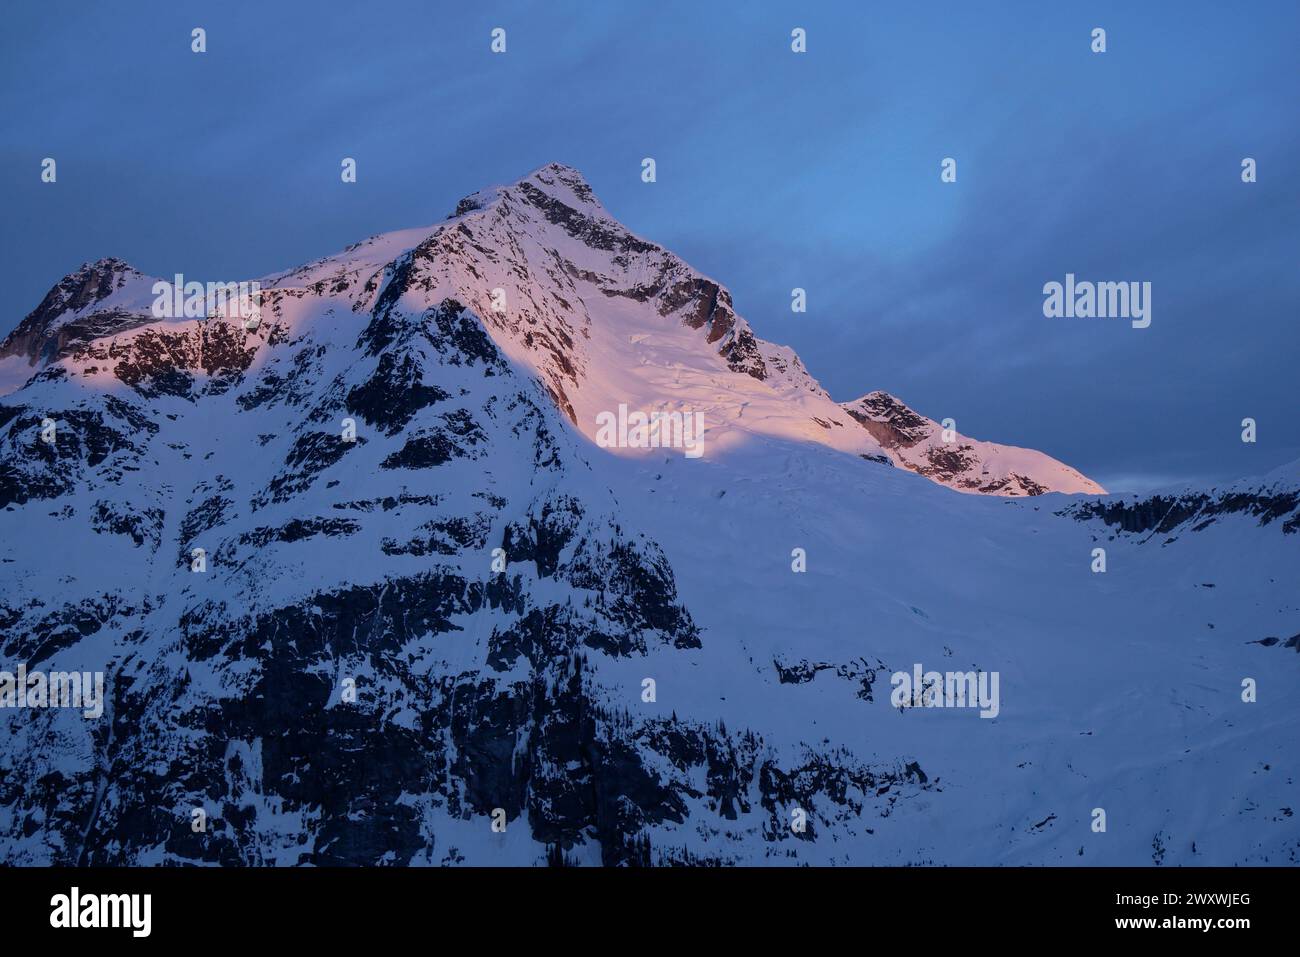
[[775, 170]]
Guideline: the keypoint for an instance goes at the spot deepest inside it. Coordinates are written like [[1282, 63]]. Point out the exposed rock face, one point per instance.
[[968, 465], [1174, 513]]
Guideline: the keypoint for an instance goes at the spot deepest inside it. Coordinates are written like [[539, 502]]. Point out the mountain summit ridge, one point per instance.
[[604, 317]]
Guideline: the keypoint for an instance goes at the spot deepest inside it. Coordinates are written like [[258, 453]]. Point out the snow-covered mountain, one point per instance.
[[601, 316], [428, 599]]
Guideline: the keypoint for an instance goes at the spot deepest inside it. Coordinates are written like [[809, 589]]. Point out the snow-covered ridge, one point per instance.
[[1162, 515], [603, 317], [915, 442]]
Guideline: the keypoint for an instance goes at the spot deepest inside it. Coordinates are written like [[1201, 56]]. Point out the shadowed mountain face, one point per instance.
[[363, 586]]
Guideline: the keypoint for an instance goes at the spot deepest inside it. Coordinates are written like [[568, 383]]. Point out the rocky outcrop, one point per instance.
[[949, 458]]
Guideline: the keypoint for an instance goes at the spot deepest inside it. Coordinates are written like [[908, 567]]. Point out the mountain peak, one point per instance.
[[553, 182], [561, 184], [108, 286], [561, 181], [108, 264]]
